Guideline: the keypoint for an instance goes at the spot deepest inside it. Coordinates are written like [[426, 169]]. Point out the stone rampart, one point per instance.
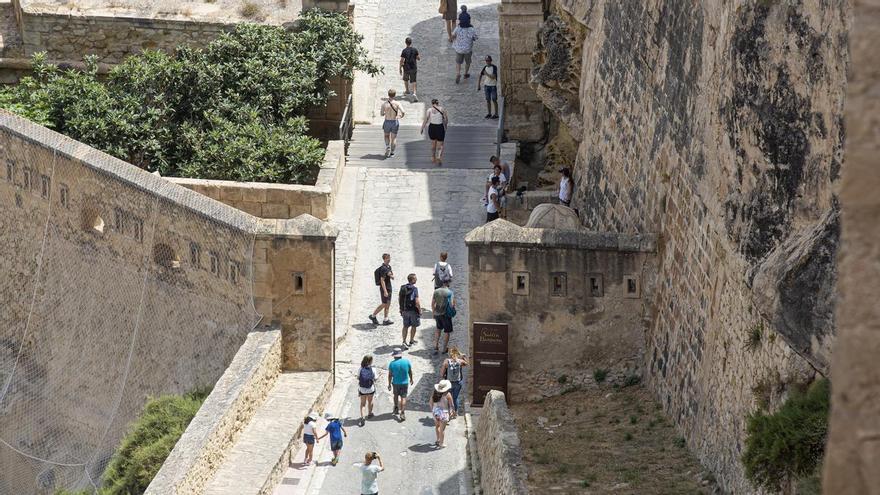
[[502, 471], [719, 127], [280, 201], [117, 285], [231, 405], [571, 298]]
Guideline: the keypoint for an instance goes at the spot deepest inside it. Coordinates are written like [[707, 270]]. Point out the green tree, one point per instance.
[[788, 445]]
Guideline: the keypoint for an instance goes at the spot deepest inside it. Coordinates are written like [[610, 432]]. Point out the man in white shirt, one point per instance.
[[463, 43], [490, 85], [566, 187], [370, 471], [492, 203]]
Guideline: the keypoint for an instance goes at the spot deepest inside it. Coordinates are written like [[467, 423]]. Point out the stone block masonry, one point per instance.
[[502, 471], [719, 127], [518, 23]]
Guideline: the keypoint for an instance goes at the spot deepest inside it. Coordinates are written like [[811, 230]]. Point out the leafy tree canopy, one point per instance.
[[232, 110]]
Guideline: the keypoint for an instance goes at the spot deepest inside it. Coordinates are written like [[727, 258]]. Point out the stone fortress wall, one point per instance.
[[717, 126], [118, 285]]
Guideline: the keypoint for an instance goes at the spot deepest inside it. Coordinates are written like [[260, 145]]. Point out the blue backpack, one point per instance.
[[450, 310], [366, 378]]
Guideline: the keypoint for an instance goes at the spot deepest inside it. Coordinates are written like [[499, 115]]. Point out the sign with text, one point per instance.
[[489, 359]]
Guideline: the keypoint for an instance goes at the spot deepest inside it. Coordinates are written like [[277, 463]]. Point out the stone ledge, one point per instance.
[[502, 232], [221, 419], [501, 466], [304, 226]]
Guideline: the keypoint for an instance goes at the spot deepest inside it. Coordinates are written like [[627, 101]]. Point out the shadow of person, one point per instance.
[[364, 326], [424, 448]]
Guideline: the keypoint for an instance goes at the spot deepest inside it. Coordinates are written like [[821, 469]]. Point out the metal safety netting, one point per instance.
[[109, 293]]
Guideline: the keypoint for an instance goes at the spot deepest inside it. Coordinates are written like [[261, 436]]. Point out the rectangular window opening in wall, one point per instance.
[[558, 284], [521, 283], [27, 179], [299, 283], [45, 186], [10, 170], [119, 220], [137, 229], [234, 271], [631, 286], [215, 263], [195, 254], [64, 195], [595, 285]]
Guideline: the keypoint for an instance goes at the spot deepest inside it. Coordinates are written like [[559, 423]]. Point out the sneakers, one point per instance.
[[404, 345], [436, 351], [334, 461], [415, 98], [362, 422], [467, 76], [370, 416], [407, 92], [495, 116], [412, 342], [393, 146], [488, 116], [402, 416], [374, 319], [395, 410], [457, 79], [386, 322], [387, 151]]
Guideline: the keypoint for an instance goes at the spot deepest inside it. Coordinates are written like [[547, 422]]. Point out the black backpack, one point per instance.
[[406, 299], [378, 274]]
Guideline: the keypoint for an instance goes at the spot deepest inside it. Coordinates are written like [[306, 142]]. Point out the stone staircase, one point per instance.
[[466, 147]]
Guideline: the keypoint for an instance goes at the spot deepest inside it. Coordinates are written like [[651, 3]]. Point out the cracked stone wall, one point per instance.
[[717, 126]]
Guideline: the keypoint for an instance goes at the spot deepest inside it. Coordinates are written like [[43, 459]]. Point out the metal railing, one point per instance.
[[499, 136], [346, 124]]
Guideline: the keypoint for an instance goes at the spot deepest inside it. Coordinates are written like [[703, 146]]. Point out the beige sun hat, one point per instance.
[[443, 386]]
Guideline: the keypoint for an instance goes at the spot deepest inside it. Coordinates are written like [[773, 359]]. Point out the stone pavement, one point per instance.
[[412, 212]]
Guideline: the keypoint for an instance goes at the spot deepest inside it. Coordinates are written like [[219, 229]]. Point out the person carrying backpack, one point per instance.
[[366, 387], [442, 271], [451, 369], [443, 306], [409, 60], [410, 309], [383, 277]]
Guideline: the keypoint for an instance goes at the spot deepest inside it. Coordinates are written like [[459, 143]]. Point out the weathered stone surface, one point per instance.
[[550, 216], [502, 471]]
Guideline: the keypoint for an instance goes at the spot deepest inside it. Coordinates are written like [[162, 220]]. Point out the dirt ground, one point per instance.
[[606, 441]]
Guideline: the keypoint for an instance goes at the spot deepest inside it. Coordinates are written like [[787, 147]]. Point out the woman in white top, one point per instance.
[[566, 186], [309, 437], [441, 403], [436, 121]]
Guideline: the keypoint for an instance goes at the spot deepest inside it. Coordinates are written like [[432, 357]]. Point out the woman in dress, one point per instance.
[[450, 15], [436, 121], [441, 403]]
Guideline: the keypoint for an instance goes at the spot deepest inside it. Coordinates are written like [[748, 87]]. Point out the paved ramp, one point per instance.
[[466, 146]]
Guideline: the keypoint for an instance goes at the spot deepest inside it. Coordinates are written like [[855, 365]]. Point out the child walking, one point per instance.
[[309, 436], [335, 429]]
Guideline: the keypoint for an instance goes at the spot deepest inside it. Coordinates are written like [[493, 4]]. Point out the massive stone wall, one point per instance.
[[854, 441], [717, 126], [117, 285]]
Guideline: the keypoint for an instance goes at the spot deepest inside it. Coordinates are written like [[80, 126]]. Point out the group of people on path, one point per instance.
[[436, 119]]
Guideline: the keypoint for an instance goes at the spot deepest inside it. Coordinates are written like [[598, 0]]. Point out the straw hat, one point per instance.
[[443, 386]]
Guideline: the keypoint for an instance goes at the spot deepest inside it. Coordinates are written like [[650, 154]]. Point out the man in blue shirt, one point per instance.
[[400, 377]]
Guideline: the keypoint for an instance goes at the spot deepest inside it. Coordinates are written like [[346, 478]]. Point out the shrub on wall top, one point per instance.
[[231, 110]]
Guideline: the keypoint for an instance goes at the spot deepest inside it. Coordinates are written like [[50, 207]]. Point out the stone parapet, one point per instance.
[[502, 471], [228, 409], [279, 201], [504, 233]]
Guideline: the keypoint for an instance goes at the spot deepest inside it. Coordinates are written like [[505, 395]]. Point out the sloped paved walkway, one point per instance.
[[412, 210]]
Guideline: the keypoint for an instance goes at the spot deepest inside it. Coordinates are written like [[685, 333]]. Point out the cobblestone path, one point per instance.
[[413, 212]]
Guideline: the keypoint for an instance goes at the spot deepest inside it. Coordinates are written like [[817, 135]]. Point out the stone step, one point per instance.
[[257, 461], [464, 134]]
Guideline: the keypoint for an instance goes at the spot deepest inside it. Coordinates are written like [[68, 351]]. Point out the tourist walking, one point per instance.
[[336, 431], [409, 59], [493, 206], [436, 120], [451, 369], [370, 472], [383, 277], [566, 187], [366, 387], [309, 437], [463, 39], [443, 307], [410, 309], [490, 87], [440, 404], [448, 10], [400, 377], [442, 271], [392, 113]]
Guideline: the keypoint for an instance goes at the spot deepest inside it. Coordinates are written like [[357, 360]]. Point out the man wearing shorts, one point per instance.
[[393, 113], [400, 377], [410, 309], [463, 43], [384, 276], [409, 58], [490, 86], [440, 302]]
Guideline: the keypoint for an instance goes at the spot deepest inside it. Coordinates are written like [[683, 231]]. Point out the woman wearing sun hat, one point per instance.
[[309, 436], [441, 403]]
